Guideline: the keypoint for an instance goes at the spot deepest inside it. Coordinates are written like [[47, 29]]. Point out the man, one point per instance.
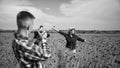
[[43, 36], [26, 49], [71, 38]]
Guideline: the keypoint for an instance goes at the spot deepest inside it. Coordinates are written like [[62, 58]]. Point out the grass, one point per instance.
[[100, 51]]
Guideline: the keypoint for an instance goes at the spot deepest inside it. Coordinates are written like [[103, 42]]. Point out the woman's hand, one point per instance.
[[57, 30]]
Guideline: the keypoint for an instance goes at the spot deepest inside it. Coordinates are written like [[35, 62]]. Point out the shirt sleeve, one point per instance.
[[15, 50], [25, 50], [80, 39], [63, 33], [46, 51], [33, 55], [36, 35]]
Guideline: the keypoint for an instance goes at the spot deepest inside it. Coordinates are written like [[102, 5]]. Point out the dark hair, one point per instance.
[[41, 26], [24, 14]]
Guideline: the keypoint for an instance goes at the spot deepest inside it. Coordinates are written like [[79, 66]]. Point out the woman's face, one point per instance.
[[73, 32]]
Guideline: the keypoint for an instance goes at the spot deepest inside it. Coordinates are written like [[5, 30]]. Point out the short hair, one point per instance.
[[22, 15]]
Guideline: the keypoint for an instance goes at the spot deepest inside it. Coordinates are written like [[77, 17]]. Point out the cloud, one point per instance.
[[97, 14], [9, 10], [15, 2], [81, 14], [90, 8], [47, 8]]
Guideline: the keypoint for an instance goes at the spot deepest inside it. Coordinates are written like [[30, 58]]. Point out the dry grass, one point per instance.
[[100, 51]]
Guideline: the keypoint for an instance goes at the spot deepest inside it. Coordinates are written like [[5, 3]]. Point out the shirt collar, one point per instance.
[[18, 36]]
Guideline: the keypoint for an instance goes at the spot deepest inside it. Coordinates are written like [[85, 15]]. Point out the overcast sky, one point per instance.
[[81, 14]]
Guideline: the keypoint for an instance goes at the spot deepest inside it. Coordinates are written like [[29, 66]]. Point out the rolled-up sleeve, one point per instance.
[[24, 49], [46, 51]]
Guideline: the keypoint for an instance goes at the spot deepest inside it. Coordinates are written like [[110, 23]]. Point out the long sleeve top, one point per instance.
[[71, 41], [26, 51]]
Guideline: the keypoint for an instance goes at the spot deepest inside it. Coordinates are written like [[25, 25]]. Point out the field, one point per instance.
[[100, 51]]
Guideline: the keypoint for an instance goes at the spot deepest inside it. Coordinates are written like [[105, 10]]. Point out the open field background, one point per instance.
[[100, 51]]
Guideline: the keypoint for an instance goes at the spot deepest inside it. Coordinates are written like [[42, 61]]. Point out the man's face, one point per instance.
[[41, 28], [29, 24]]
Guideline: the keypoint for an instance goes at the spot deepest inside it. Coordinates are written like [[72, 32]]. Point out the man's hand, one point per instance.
[[38, 32]]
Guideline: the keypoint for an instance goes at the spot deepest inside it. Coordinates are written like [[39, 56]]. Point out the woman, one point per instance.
[[71, 39]]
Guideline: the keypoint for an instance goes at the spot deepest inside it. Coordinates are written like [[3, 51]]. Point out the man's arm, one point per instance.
[[36, 35], [26, 50], [46, 51], [15, 50], [20, 51], [43, 56], [31, 56]]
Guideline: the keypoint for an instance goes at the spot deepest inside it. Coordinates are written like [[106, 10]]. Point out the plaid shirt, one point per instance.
[[27, 52]]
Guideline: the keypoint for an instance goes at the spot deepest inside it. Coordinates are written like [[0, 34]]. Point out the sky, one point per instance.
[[64, 14]]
